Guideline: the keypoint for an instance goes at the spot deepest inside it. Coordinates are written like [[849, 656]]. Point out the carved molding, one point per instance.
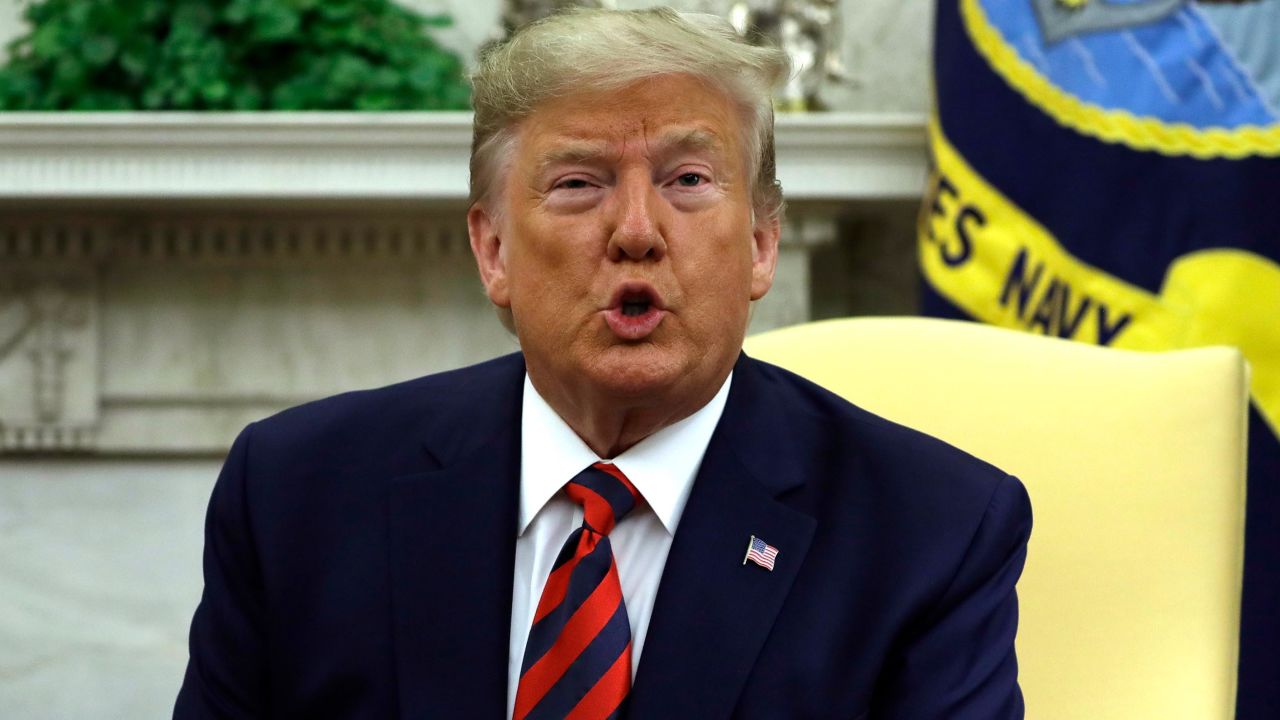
[[220, 238], [51, 240], [288, 240], [203, 288], [48, 358]]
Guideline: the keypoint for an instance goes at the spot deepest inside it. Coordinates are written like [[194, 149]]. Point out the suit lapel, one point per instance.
[[452, 544], [713, 613]]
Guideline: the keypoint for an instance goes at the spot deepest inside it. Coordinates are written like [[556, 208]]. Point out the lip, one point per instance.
[[632, 328]]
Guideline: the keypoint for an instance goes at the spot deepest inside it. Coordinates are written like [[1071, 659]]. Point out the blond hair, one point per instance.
[[586, 50]]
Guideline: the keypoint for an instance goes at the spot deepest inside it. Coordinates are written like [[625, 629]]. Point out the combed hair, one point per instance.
[[586, 50]]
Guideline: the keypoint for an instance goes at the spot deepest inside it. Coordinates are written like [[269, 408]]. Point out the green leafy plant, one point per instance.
[[229, 55]]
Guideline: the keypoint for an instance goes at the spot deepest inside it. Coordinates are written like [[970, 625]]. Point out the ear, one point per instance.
[[764, 255], [486, 245]]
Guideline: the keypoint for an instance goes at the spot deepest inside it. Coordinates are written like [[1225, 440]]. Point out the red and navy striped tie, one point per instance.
[[577, 662]]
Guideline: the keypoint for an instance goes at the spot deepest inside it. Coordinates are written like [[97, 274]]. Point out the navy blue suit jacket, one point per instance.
[[359, 556]]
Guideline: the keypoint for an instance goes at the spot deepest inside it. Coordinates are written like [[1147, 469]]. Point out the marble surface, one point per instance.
[[99, 575]]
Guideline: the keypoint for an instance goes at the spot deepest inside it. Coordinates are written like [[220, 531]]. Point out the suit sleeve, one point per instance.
[[960, 663], [226, 672]]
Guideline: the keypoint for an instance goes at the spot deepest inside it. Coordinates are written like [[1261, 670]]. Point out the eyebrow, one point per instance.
[[582, 151], [570, 153], [690, 139]]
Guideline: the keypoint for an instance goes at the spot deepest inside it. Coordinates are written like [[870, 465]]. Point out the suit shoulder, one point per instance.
[[925, 501], [358, 422], [893, 456]]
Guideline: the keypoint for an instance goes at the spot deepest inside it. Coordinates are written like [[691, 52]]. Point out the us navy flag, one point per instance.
[[1109, 171]]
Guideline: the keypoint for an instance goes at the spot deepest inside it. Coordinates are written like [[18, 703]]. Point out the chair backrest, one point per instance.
[[1130, 600]]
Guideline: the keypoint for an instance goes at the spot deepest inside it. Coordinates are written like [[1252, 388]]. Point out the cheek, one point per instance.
[[535, 253], [555, 242], [550, 267], [721, 258], [717, 289]]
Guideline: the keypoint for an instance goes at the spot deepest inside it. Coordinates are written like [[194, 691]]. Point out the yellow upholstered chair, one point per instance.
[[1130, 601]]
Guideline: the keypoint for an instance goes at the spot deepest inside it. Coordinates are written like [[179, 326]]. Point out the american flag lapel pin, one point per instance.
[[760, 553]]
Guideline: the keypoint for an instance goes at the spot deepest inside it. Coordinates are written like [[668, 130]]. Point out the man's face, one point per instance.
[[626, 250]]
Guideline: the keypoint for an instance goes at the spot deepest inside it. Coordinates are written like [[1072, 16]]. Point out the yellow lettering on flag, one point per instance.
[[994, 261]]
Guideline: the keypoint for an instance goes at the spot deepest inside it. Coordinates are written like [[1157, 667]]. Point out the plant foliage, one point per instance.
[[229, 55]]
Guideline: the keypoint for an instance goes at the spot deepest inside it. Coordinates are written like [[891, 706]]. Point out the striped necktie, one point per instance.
[[577, 662]]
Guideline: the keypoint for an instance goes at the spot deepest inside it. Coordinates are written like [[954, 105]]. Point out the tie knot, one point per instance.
[[605, 494]]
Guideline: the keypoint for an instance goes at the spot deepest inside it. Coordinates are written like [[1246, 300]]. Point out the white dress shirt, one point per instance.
[[662, 467]]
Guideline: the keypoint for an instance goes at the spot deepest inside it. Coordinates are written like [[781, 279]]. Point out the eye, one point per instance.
[[574, 183], [690, 180]]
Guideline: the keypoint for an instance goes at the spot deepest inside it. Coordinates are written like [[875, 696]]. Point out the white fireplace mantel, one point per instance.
[[410, 156]]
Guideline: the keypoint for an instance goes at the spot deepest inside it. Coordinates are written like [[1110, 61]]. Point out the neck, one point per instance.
[[610, 425]]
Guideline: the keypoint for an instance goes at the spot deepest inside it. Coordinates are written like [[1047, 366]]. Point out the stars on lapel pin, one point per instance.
[[761, 553]]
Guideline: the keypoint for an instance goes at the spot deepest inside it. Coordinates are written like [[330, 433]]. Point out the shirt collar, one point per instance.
[[661, 466]]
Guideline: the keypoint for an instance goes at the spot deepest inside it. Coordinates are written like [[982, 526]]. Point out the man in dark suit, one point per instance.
[[629, 517]]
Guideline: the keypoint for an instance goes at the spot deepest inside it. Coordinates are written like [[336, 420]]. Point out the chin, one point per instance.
[[636, 371]]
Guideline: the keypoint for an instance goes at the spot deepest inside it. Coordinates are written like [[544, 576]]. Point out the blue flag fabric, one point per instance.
[[1109, 171]]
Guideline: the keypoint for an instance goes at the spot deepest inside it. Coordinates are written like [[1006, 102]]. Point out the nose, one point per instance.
[[637, 232]]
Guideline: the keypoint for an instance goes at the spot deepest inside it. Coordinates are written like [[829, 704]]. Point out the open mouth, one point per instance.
[[636, 311], [635, 305]]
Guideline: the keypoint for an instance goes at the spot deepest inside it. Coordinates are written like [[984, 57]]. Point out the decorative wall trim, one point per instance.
[[47, 438], [56, 240], [48, 356], [418, 156], [223, 239]]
